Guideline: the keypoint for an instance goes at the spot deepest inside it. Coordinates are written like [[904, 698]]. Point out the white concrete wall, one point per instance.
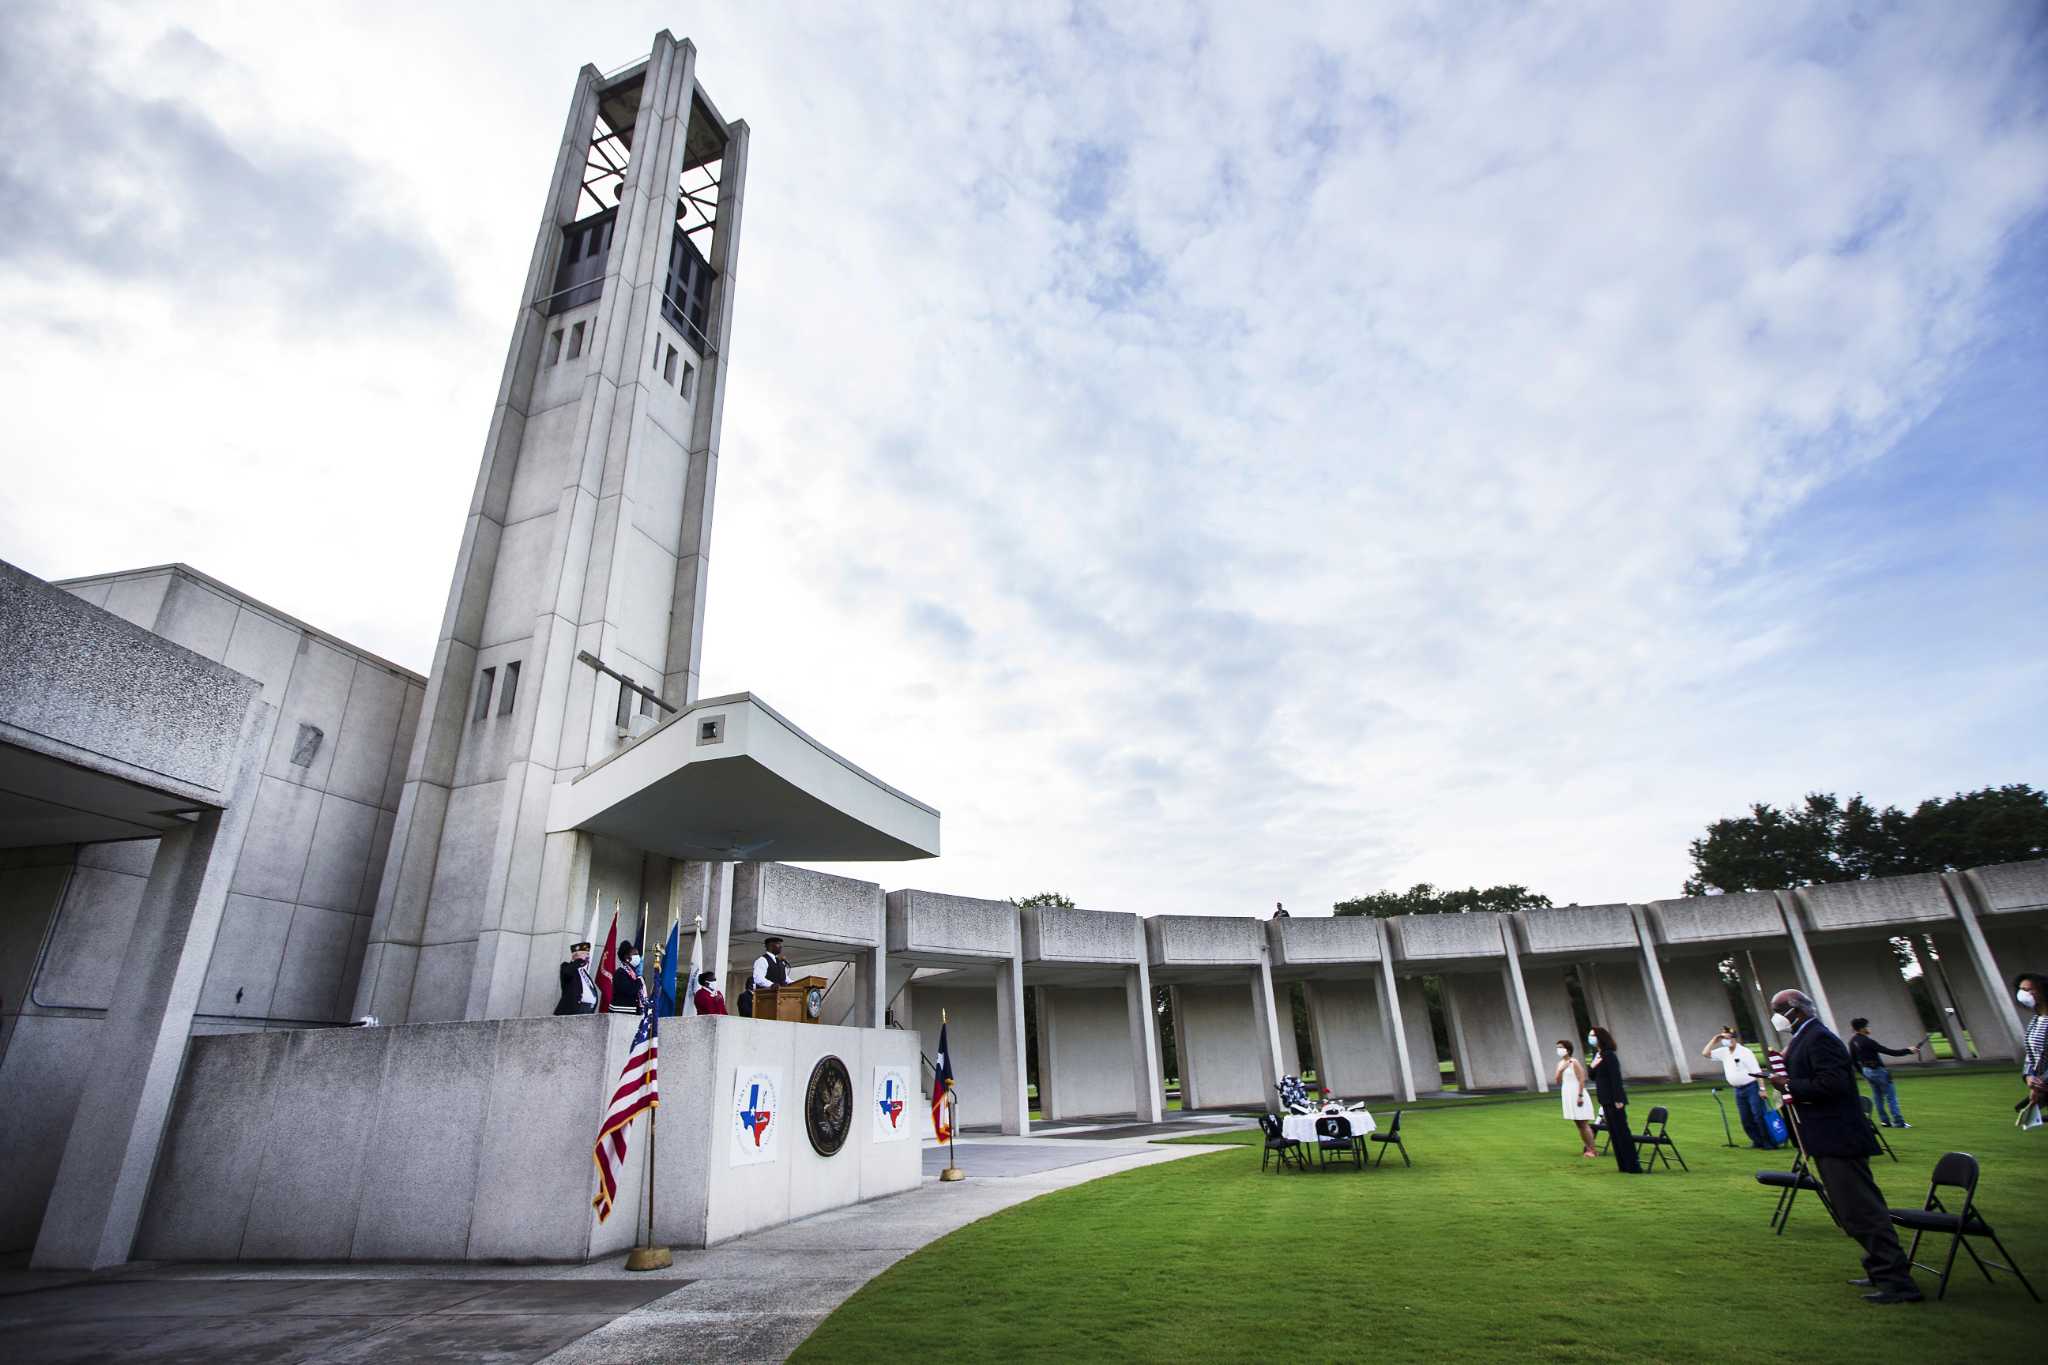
[[1425, 1072], [472, 1141], [1085, 1067], [1621, 1005], [1550, 1004], [971, 1034], [1701, 1004], [1221, 1045], [1863, 979], [1494, 1055], [1354, 1056], [702, 1199], [306, 878]]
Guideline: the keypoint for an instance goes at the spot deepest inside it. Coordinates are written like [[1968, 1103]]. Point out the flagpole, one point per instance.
[[650, 1256], [952, 1105]]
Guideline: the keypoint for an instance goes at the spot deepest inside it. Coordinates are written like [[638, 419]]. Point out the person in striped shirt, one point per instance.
[[2031, 991]]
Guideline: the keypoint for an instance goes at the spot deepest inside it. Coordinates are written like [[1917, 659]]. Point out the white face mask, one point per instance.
[[1564, 1052], [2026, 999], [634, 959], [1781, 1023], [1592, 1040]]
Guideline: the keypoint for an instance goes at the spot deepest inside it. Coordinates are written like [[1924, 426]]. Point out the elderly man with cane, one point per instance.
[[1819, 1086]]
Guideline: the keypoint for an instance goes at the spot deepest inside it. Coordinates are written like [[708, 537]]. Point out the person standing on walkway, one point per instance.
[[1868, 1054], [1820, 1086], [1740, 1069], [1570, 1080], [1606, 1073]]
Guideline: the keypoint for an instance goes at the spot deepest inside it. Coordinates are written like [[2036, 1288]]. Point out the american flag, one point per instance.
[[638, 1089]]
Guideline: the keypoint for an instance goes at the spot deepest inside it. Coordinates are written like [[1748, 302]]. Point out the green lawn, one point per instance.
[[1499, 1243]]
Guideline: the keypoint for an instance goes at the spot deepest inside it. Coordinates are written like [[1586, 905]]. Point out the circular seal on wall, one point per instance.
[[828, 1105]]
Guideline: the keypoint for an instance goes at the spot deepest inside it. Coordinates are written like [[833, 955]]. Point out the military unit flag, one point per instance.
[[638, 1090]]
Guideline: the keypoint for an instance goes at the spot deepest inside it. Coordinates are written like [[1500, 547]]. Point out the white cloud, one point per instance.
[[1222, 456]]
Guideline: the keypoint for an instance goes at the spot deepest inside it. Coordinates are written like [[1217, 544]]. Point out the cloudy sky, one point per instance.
[[1217, 456]]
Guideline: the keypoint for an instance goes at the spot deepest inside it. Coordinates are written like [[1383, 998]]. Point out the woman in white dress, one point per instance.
[[1570, 1078]]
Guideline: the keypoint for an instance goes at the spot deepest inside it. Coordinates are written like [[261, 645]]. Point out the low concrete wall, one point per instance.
[[1895, 904], [1746, 917], [925, 924], [2011, 888], [793, 902], [472, 1141], [1085, 1066], [1338, 940], [1059, 935], [1575, 929], [1423, 939], [1204, 940]]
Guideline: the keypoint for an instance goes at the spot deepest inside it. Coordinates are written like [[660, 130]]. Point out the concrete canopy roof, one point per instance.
[[1324, 947], [729, 779]]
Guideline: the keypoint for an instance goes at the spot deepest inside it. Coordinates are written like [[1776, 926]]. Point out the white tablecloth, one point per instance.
[[1302, 1127]]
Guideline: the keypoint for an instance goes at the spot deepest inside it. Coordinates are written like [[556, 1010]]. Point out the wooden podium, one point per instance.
[[799, 1002]]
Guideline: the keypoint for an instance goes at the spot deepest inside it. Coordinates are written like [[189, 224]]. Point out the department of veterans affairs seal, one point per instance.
[[828, 1105]]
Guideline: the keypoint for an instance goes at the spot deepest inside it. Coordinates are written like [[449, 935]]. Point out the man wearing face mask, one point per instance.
[[1820, 1085], [579, 990]]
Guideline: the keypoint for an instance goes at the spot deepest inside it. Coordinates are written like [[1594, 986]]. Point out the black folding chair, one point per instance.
[[1788, 1184], [1334, 1142], [1600, 1127], [1391, 1137], [1660, 1141], [1869, 1109], [1957, 1170], [1277, 1143]]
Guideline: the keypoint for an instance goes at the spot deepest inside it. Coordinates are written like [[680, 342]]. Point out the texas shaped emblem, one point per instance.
[[754, 1116], [892, 1107]]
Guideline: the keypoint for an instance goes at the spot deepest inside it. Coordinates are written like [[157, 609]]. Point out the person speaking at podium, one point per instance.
[[770, 969]]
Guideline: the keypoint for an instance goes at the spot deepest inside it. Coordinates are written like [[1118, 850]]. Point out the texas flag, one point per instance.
[[890, 1101], [756, 1116], [942, 1081]]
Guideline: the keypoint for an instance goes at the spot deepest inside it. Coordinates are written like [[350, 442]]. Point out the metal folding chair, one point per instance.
[[1956, 1170]]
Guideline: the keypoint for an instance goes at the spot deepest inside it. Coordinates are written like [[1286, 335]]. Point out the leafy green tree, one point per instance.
[[1828, 840], [1425, 899]]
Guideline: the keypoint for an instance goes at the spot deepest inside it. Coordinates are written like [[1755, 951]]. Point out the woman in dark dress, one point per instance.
[[1606, 1071]]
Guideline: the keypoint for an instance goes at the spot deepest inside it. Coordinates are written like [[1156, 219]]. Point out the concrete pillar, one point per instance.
[[1456, 1020], [1184, 1059], [125, 1097], [1149, 1083], [1390, 1014], [1518, 1000], [1962, 890], [1660, 997], [1011, 1059], [1802, 959], [1266, 1028], [870, 987]]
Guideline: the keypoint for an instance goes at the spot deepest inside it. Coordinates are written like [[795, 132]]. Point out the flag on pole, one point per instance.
[[666, 996], [696, 970], [638, 1090], [608, 964], [942, 1082]]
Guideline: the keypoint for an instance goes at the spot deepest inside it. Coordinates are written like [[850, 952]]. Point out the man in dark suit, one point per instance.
[[579, 990], [1820, 1086]]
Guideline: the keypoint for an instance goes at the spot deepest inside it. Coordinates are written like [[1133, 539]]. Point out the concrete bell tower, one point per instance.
[[587, 538]]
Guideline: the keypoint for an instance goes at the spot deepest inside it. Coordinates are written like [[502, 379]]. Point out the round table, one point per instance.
[[1302, 1127]]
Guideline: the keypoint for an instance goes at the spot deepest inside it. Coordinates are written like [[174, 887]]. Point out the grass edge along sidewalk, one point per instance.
[[1500, 1240]]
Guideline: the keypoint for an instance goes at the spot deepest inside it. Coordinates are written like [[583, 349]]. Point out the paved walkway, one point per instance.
[[751, 1299]]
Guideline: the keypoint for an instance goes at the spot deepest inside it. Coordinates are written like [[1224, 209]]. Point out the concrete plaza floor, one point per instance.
[[751, 1299]]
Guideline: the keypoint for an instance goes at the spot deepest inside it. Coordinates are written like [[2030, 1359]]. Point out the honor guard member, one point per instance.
[[770, 969], [579, 990], [627, 987], [710, 999]]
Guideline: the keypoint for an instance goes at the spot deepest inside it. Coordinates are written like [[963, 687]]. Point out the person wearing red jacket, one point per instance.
[[709, 999]]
